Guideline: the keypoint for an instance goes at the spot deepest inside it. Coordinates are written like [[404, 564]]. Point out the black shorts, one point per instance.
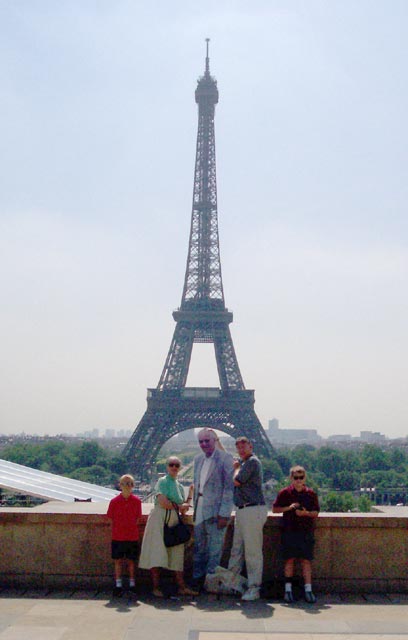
[[125, 549], [297, 544]]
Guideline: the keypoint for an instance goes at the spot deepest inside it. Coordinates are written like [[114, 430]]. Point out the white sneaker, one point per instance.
[[251, 594]]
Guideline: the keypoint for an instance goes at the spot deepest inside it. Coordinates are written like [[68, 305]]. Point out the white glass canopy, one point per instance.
[[49, 486]]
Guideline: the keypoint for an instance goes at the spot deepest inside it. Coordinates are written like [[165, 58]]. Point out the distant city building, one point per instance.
[[110, 433], [124, 433], [91, 434], [372, 437], [340, 437], [279, 436]]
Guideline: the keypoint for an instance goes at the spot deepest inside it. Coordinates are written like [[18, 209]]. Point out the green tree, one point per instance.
[[117, 465], [304, 455], [284, 460], [347, 480], [398, 459], [271, 469], [364, 504], [348, 502], [329, 461], [90, 453], [374, 458], [350, 460], [94, 474], [333, 502]]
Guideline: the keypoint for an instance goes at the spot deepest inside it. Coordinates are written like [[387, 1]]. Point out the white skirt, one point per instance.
[[154, 553]]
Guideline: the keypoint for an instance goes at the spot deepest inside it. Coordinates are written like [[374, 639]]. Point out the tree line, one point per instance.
[[87, 461], [335, 473]]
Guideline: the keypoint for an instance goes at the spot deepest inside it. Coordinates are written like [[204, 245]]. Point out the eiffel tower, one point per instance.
[[202, 317]]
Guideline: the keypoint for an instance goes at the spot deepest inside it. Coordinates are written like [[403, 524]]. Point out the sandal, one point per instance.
[[186, 591]]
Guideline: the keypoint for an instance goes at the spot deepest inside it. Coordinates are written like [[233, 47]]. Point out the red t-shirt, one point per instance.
[[306, 498], [124, 513]]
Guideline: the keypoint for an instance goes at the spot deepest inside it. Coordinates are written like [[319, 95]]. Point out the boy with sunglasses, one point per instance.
[[299, 507], [125, 511]]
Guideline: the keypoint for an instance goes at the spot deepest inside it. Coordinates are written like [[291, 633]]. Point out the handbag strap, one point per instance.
[[168, 512]]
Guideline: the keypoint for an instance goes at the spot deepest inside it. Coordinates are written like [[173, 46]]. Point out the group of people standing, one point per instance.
[[221, 483]]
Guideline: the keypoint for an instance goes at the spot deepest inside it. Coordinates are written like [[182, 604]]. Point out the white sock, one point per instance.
[[288, 586], [308, 587], [131, 582], [119, 582]]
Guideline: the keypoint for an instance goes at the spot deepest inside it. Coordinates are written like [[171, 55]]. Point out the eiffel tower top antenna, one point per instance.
[[207, 59]]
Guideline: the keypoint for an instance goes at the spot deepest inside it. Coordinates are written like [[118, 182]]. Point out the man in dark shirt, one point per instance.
[[250, 517], [299, 506]]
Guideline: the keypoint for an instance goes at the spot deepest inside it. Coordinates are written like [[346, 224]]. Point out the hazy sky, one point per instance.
[[98, 127]]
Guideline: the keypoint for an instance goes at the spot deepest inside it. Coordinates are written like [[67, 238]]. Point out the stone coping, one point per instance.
[[377, 518]]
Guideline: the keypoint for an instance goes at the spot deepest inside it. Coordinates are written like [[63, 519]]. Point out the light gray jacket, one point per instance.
[[219, 487]]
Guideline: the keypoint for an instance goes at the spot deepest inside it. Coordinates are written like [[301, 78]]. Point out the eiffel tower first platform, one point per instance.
[[202, 317]]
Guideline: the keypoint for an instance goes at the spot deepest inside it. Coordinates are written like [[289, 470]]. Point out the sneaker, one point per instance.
[[310, 596], [251, 594], [117, 592], [288, 597]]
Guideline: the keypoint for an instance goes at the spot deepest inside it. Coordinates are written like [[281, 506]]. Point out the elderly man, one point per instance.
[[250, 517], [213, 500]]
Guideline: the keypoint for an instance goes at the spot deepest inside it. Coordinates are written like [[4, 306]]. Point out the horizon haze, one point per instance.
[[98, 133]]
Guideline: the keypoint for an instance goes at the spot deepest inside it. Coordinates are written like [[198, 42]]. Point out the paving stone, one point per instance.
[[94, 615], [25, 632]]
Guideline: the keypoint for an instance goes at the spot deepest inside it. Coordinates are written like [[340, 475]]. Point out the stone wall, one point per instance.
[[60, 545]]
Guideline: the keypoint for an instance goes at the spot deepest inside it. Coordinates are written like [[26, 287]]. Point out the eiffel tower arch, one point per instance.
[[202, 317]]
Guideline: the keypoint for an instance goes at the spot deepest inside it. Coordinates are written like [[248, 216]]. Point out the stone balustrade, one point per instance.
[[68, 545]]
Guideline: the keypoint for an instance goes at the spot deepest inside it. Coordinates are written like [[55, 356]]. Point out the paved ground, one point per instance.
[[78, 615]]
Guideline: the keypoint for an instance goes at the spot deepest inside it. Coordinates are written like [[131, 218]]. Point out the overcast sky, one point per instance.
[[98, 128]]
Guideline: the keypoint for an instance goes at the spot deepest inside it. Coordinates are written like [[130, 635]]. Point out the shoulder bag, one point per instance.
[[177, 534]]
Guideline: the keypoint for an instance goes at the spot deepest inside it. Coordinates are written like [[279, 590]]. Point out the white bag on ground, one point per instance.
[[224, 581]]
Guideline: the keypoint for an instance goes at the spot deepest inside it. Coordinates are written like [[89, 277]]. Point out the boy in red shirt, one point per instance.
[[125, 511], [300, 506]]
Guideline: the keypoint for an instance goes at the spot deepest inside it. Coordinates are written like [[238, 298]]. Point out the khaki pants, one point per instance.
[[248, 542]]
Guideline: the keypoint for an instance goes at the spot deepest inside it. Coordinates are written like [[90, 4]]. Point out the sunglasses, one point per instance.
[[126, 484], [174, 464], [298, 477]]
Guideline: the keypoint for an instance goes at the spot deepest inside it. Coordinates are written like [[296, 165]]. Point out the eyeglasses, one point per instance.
[[205, 441], [174, 464], [126, 484], [298, 477]]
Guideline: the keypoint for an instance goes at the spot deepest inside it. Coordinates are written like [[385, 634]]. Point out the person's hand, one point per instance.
[[184, 508], [294, 506], [302, 512], [236, 464], [222, 522]]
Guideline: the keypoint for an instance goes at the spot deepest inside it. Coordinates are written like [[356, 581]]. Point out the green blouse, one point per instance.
[[171, 488]]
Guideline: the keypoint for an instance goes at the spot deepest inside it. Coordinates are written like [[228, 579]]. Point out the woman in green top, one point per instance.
[[154, 554]]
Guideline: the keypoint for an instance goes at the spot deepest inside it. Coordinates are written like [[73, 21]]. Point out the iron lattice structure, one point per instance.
[[202, 317]]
